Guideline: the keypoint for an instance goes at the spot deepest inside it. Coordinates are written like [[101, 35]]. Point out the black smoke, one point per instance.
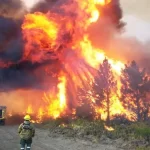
[[11, 43], [11, 17], [47, 5], [21, 73], [113, 11], [11, 8]]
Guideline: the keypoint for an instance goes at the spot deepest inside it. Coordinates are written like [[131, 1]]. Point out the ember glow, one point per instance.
[[109, 128], [66, 38]]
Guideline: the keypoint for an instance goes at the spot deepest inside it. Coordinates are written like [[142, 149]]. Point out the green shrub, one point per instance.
[[94, 128], [121, 131], [85, 128], [142, 130], [143, 148]]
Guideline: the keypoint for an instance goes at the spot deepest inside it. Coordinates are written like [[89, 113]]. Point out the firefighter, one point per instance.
[[26, 132]]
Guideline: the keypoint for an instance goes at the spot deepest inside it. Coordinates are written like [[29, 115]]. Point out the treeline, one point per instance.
[[133, 89]]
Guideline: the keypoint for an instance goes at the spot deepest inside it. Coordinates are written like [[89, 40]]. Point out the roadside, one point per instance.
[[9, 140]]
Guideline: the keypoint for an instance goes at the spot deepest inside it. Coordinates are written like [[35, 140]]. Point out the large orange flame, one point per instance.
[[56, 106], [54, 33]]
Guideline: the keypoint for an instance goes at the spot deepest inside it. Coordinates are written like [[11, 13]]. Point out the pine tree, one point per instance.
[[135, 85], [104, 84]]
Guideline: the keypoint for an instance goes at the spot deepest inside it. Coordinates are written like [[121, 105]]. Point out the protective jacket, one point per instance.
[[26, 130]]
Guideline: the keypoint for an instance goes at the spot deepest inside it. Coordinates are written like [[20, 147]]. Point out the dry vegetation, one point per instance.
[[129, 135]]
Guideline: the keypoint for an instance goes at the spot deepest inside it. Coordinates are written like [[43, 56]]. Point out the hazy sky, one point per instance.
[[137, 16]]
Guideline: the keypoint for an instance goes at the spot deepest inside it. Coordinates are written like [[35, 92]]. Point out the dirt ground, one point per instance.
[[9, 140]]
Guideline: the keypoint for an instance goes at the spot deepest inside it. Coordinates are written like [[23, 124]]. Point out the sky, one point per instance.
[[137, 17], [136, 27]]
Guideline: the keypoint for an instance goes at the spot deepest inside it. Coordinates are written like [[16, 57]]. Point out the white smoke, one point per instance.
[[137, 28], [30, 3], [137, 16]]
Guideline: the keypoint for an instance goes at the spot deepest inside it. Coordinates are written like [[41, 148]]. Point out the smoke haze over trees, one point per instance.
[[134, 90]]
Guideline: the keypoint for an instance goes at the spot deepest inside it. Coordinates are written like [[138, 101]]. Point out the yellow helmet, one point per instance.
[[27, 117]]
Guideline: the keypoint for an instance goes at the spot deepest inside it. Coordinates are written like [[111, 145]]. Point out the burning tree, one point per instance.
[[104, 85], [135, 85], [86, 107]]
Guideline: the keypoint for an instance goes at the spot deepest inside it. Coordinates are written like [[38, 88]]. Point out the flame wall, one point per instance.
[[47, 53]]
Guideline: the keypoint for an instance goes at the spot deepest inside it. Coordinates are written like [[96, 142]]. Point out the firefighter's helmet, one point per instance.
[[27, 117]]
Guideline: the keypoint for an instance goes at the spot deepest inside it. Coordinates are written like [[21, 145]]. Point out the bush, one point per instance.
[[143, 148], [121, 131], [94, 128], [142, 130]]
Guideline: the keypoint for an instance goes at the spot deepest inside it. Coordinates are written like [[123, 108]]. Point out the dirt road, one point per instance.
[[9, 141]]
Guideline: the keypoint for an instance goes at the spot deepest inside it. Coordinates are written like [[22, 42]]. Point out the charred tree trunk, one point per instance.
[[108, 107], [145, 115], [146, 112], [138, 108]]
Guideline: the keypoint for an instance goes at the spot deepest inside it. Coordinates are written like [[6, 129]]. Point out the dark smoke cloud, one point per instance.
[[114, 12], [26, 75], [11, 47], [46, 5], [11, 78], [11, 44], [11, 8], [11, 16]]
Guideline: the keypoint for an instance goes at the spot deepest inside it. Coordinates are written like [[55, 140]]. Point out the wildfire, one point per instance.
[[56, 106], [90, 7], [94, 56], [62, 125], [29, 110], [41, 30], [116, 109], [40, 115], [10, 114], [54, 34]]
